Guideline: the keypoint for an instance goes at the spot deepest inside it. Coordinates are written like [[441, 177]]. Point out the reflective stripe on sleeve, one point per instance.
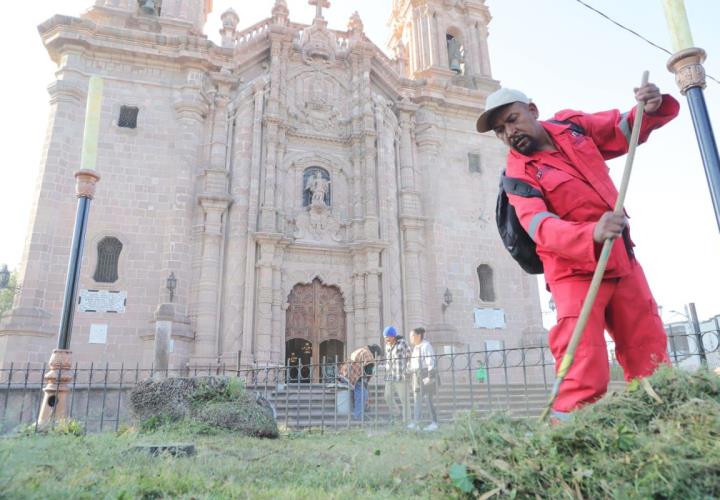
[[537, 219], [625, 126]]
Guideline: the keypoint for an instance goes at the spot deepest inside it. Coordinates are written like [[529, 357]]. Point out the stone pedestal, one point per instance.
[[164, 316]]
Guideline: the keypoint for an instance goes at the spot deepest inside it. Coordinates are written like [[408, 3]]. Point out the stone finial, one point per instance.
[[230, 21], [355, 24], [280, 12]]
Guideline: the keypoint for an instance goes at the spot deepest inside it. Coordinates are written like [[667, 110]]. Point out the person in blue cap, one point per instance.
[[397, 353]]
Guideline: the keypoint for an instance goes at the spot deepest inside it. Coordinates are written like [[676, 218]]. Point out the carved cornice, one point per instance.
[[190, 103], [66, 91]]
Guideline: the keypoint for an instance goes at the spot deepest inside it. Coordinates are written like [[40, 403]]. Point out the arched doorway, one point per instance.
[[315, 326]]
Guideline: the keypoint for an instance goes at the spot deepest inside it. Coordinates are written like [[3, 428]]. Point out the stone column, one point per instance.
[[408, 188], [206, 330], [443, 60], [418, 60], [433, 39], [484, 52]]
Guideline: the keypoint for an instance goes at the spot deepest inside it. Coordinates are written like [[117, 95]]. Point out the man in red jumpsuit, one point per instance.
[[566, 163]]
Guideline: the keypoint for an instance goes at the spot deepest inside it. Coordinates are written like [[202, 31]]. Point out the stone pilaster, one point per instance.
[[372, 300], [277, 351], [413, 230], [206, 336], [233, 304], [265, 297], [249, 316], [412, 222], [268, 214], [359, 302]]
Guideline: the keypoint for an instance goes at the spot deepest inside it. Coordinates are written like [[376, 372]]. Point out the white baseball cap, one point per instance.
[[496, 100]]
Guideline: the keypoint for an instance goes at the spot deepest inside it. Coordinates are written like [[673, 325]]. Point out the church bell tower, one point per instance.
[[441, 38]]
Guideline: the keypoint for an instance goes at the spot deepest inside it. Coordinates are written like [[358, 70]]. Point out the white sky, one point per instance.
[[557, 51]]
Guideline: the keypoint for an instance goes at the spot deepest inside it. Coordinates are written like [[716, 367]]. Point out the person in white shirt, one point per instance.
[[423, 367]]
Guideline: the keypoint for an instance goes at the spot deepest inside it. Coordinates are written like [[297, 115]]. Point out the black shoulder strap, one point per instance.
[[572, 125], [519, 187]]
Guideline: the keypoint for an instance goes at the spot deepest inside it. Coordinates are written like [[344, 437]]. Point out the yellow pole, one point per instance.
[[678, 24], [88, 160]]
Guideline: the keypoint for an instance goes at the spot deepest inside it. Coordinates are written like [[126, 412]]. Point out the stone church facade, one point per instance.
[[302, 188]]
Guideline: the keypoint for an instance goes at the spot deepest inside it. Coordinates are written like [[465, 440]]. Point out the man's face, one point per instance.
[[517, 126], [390, 340], [415, 338]]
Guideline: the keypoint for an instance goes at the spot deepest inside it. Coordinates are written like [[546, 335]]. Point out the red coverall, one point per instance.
[[577, 190]]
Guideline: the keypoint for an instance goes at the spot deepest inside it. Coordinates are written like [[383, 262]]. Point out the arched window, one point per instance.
[[316, 186], [487, 288], [456, 53], [109, 249]]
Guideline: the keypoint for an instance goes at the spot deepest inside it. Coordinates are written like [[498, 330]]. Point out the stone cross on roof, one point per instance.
[[319, 4]]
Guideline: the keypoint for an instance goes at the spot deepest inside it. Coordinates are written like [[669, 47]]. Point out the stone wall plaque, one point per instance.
[[98, 334], [489, 318], [102, 301]]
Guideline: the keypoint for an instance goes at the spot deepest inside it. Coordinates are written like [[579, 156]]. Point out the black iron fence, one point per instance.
[[513, 380]]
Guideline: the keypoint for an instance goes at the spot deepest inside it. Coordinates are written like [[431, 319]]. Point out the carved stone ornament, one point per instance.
[[85, 181], [688, 69], [319, 113], [317, 223], [318, 43]]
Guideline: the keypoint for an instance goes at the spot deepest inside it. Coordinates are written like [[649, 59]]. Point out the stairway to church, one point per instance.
[[305, 406]]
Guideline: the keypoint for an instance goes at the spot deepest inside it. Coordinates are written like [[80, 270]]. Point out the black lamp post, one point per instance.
[[57, 378], [171, 285], [687, 65]]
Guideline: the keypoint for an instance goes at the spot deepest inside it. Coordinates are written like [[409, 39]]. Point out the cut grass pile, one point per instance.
[[629, 445]]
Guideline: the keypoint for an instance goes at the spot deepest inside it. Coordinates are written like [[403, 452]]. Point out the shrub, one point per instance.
[[200, 405]]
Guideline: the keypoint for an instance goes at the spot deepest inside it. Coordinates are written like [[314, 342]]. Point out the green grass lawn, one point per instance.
[[660, 439], [354, 464]]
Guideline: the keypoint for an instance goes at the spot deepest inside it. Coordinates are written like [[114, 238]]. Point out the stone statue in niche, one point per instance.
[[319, 188], [316, 221]]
